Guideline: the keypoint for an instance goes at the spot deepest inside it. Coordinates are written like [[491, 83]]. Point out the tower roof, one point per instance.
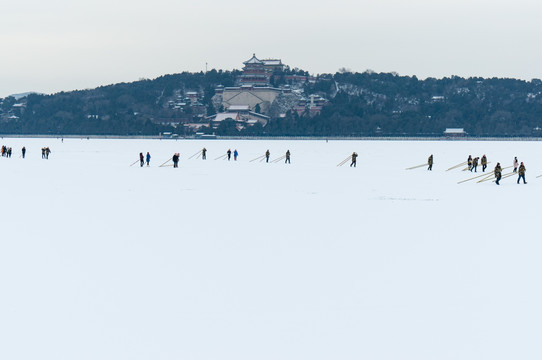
[[253, 60]]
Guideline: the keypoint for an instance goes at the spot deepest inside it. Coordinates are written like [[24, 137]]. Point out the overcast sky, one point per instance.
[[60, 45]]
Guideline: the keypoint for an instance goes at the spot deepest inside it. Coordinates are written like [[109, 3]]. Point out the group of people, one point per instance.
[[45, 151], [520, 170], [472, 164], [286, 157], [235, 154], [6, 151], [143, 159]]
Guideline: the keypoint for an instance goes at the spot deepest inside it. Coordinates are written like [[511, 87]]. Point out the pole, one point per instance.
[[221, 156], [488, 177], [456, 166], [259, 157], [417, 166], [506, 176], [278, 159], [135, 162], [199, 152], [538, 176], [166, 162], [344, 161], [476, 177]]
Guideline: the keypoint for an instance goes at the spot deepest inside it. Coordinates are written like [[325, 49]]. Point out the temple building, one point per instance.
[[258, 72], [254, 73]]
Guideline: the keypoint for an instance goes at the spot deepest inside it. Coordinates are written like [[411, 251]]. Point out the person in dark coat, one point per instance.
[[469, 162], [498, 173], [354, 159], [235, 154], [23, 152], [287, 157], [175, 159], [430, 162], [141, 159], [521, 173], [267, 154], [474, 164], [229, 154], [148, 158], [203, 153], [484, 163]]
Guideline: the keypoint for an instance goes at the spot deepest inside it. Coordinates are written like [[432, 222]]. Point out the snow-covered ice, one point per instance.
[[248, 260]]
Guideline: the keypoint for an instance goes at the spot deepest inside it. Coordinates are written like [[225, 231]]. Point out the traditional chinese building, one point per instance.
[[254, 73]]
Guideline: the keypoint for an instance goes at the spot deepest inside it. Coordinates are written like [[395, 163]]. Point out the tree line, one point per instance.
[[359, 104]]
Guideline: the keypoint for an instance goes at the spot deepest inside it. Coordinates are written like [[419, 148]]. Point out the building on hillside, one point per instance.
[[311, 106], [250, 96], [254, 73], [300, 79], [258, 72], [273, 65], [241, 114], [454, 132]]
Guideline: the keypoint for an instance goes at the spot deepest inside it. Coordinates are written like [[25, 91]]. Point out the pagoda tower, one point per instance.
[[254, 73]]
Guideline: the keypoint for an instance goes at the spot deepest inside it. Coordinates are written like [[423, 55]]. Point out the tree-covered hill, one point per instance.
[[359, 104]]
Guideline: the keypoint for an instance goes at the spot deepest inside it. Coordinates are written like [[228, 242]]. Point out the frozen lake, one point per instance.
[[247, 260]]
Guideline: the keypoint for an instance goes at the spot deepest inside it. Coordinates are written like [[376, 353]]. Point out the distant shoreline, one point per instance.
[[308, 138]]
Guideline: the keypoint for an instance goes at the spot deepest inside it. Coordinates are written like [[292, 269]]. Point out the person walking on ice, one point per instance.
[[175, 159], [235, 154], [521, 173], [287, 157], [469, 162], [498, 172], [204, 154], [23, 151], [484, 163], [267, 154], [141, 159], [148, 158], [354, 159], [474, 164], [430, 163], [515, 164], [229, 154]]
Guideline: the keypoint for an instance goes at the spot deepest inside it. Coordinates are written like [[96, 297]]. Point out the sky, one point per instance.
[[62, 45]]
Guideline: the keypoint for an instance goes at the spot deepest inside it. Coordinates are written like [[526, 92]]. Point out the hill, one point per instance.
[[355, 104]]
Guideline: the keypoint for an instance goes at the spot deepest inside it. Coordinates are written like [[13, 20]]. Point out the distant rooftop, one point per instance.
[[253, 60]]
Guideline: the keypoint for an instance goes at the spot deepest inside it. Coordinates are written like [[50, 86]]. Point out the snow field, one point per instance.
[[248, 260]]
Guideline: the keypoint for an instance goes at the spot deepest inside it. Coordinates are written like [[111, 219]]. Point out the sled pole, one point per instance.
[[221, 156], [278, 159], [456, 166], [199, 152], [476, 177], [506, 176], [166, 162], [488, 177], [417, 166], [135, 162], [538, 176], [344, 161], [259, 157]]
